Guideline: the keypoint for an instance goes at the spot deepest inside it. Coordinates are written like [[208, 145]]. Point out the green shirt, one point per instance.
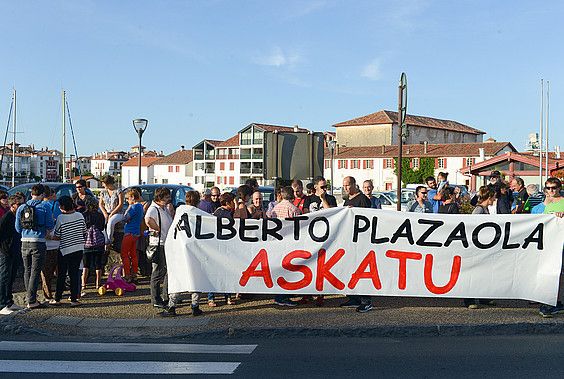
[[557, 206]]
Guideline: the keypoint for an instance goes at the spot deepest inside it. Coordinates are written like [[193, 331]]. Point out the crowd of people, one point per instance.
[[70, 237]]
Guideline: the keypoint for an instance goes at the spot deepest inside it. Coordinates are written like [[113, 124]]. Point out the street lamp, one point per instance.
[[331, 145], [140, 125]]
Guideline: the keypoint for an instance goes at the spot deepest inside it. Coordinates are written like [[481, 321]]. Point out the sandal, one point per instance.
[[212, 303]]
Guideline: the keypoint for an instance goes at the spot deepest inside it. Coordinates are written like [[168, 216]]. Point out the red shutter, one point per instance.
[[393, 163], [411, 163], [444, 163], [436, 163], [463, 162], [347, 164], [384, 163]]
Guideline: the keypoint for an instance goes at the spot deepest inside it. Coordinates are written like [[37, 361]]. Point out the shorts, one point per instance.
[[94, 258]]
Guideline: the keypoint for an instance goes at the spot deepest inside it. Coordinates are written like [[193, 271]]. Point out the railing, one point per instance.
[[228, 156], [257, 170], [246, 141], [258, 141], [245, 170], [257, 156], [245, 155], [209, 170]]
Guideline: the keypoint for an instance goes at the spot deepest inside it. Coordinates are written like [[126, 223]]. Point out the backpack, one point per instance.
[[94, 237], [28, 217]]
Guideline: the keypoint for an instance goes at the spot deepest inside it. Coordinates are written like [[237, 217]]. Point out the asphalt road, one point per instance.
[[496, 356]]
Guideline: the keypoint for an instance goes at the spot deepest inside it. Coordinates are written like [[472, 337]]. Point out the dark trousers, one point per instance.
[[33, 255], [8, 271], [48, 272], [68, 264], [158, 276]]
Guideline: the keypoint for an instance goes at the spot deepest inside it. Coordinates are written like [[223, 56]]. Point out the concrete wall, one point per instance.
[[366, 135], [161, 172], [419, 134]]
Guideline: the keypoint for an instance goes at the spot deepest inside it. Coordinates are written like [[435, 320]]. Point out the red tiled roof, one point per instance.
[[178, 157], [389, 117], [145, 162], [433, 150], [280, 128], [213, 142], [233, 141]]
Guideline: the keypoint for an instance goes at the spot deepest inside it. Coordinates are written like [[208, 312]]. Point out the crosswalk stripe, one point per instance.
[[114, 367], [128, 347]]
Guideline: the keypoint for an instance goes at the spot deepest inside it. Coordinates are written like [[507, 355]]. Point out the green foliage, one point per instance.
[[414, 176]]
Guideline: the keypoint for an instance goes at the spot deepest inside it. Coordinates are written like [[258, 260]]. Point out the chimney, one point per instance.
[[425, 143], [182, 147], [482, 154], [383, 149], [296, 128]]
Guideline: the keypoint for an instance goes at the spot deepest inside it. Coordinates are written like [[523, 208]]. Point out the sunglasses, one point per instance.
[[323, 187], [79, 186], [423, 193], [214, 195], [551, 188]]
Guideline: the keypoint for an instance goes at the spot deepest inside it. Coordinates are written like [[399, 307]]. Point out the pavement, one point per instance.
[[132, 316]]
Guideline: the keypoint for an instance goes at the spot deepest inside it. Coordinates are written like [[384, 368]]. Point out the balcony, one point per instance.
[[228, 156], [245, 170], [209, 170], [257, 170], [257, 155], [198, 155], [258, 141], [245, 155], [246, 141]]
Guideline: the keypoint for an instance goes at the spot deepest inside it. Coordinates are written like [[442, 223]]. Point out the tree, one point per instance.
[[411, 175]]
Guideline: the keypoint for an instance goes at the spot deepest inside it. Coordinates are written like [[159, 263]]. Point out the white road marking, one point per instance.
[[113, 367], [129, 347]]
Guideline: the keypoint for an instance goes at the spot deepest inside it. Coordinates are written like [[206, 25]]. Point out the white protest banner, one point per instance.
[[368, 252]]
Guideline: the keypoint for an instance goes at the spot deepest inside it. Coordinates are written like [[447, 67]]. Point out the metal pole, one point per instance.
[[139, 164], [540, 134], [401, 120], [14, 143], [332, 182], [64, 141], [546, 127]]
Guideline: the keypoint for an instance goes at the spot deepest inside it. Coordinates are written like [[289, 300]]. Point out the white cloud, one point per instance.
[[278, 58], [372, 70]]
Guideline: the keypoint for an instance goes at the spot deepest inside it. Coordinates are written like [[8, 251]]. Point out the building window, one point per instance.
[[222, 166], [469, 161], [327, 164], [219, 180], [165, 181], [368, 164], [169, 168], [231, 166], [355, 163], [231, 180], [177, 168], [441, 163], [388, 163], [342, 163], [415, 163]]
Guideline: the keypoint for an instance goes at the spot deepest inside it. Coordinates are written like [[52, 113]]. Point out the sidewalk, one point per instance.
[[133, 316]]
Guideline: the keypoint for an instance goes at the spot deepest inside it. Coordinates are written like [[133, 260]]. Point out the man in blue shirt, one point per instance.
[[33, 242], [432, 194], [367, 187]]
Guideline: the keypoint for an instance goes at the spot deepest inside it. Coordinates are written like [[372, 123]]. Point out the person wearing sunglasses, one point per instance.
[[81, 197], [554, 204], [320, 198], [420, 204]]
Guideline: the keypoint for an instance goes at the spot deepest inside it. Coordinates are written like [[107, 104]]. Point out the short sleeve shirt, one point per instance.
[[359, 201], [314, 202], [166, 221]]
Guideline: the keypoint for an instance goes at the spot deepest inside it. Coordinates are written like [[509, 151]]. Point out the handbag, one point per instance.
[[152, 252]]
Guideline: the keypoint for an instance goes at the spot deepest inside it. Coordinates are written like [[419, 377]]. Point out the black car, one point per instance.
[[61, 189], [177, 191]]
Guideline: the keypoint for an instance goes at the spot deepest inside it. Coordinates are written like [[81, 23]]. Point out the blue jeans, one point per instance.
[[33, 255], [8, 271]]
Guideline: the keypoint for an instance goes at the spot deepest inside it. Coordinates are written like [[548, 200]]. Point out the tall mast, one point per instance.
[[541, 184], [64, 141], [14, 143], [546, 126]]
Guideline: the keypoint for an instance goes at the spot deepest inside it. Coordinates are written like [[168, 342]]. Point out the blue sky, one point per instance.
[[206, 69]]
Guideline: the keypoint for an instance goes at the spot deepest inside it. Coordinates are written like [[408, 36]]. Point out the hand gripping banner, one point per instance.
[[368, 252]]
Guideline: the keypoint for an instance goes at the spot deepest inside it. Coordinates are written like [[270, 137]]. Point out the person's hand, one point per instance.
[[559, 214], [322, 195]]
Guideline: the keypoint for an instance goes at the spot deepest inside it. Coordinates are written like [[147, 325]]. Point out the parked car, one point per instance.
[[177, 191], [389, 200], [61, 189], [3, 188]]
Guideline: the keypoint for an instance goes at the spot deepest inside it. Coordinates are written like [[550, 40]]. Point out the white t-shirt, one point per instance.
[[166, 221]]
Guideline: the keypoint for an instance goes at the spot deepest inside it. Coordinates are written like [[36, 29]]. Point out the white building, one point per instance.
[[130, 171], [45, 164], [377, 162], [108, 162], [175, 168]]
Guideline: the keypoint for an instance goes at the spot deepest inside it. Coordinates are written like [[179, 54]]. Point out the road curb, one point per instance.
[[384, 331]]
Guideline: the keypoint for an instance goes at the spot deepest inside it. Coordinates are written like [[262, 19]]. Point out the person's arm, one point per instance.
[[103, 207], [18, 226], [57, 233]]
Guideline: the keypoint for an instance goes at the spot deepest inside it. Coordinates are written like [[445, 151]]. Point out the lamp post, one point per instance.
[[331, 145], [140, 125], [402, 130]]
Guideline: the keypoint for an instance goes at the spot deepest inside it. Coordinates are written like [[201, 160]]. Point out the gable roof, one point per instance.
[[418, 151], [178, 157], [233, 141], [145, 162], [390, 117], [519, 157], [271, 128]]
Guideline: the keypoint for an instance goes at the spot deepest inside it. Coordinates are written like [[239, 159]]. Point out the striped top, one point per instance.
[[71, 229]]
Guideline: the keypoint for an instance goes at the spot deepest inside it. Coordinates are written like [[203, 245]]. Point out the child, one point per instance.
[[442, 179], [70, 230], [94, 245], [133, 217]]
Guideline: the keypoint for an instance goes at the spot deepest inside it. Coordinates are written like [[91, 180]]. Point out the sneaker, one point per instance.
[[547, 311], [168, 312], [6, 311], [473, 306], [15, 307], [231, 301], [34, 305], [286, 302], [196, 311], [159, 305], [351, 303], [75, 303], [54, 302], [212, 303], [363, 308]]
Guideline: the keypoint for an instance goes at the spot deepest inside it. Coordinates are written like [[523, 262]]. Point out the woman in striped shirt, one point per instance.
[[70, 229]]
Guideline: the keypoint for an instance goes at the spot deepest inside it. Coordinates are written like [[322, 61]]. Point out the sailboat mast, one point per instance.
[[541, 184], [64, 141], [14, 143], [546, 127]]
